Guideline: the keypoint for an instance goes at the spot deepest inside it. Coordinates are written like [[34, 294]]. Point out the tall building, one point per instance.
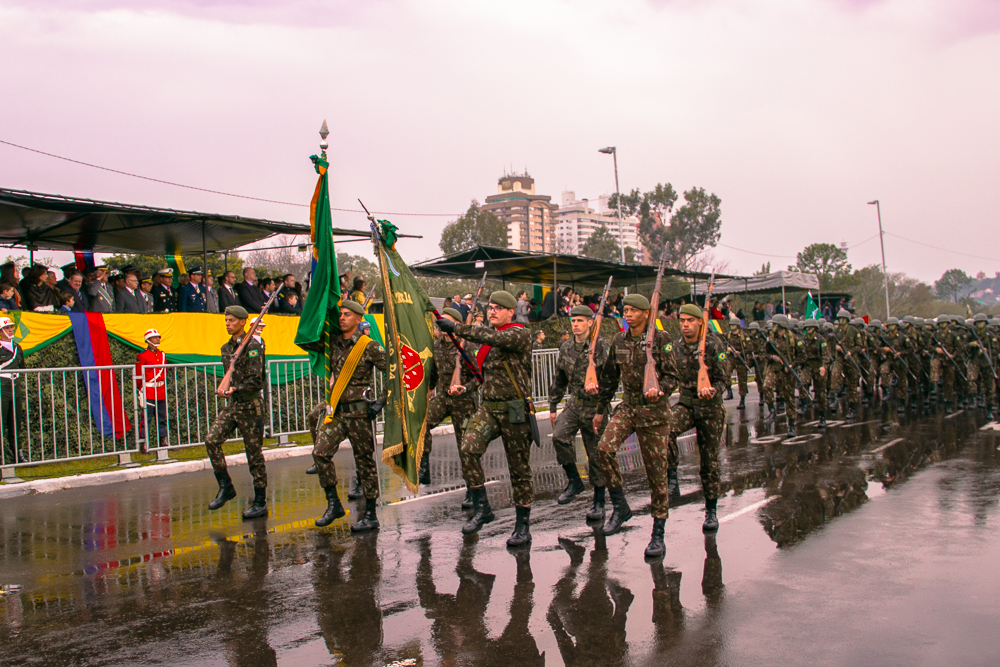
[[577, 221], [530, 217]]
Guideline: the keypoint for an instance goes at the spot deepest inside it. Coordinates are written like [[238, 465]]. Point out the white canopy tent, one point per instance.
[[771, 282]]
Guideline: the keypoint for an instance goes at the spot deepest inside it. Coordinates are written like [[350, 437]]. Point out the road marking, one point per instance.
[[428, 496], [887, 445], [954, 414], [747, 509], [992, 426]]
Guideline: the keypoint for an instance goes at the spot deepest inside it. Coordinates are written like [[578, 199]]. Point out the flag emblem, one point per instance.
[[413, 367]]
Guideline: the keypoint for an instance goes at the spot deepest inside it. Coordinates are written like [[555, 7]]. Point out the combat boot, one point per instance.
[[369, 520], [311, 470], [482, 513], [574, 485], [852, 412], [334, 510], [258, 509], [596, 512], [822, 420], [791, 427], [424, 474], [622, 512], [656, 548], [711, 517], [947, 408], [990, 412], [673, 485], [226, 490], [356, 492], [467, 503], [729, 393], [743, 402], [522, 535], [771, 413], [802, 407]]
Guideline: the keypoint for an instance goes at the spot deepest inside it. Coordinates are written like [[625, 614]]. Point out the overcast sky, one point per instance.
[[795, 113]]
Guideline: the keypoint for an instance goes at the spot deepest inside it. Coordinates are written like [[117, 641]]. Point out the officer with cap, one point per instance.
[[571, 373], [645, 413], [153, 388], [100, 293], [505, 361], [191, 297], [244, 410], [12, 410], [145, 291], [699, 409], [164, 298], [351, 416]]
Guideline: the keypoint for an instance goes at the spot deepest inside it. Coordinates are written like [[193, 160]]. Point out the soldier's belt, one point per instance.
[[245, 396], [352, 409], [496, 406], [632, 399], [586, 400]]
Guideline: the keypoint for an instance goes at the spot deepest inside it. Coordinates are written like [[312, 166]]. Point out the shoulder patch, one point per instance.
[[722, 356], [254, 353], [669, 347]]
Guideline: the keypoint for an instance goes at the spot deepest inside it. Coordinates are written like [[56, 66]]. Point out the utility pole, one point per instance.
[[881, 240], [611, 150]]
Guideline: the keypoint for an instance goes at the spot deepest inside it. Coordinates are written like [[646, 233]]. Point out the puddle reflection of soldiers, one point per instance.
[[246, 604], [668, 613], [348, 612], [600, 602]]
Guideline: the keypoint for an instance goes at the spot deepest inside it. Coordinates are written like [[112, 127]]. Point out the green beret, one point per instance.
[[353, 306], [581, 311], [637, 301], [239, 312], [503, 298], [453, 313], [692, 310]]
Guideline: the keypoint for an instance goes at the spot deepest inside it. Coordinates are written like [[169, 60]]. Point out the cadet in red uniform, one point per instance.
[[153, 388]]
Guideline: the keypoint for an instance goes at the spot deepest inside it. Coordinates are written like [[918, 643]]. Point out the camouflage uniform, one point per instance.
[[850, 341], [459, 408], [817, 354], [649, 421], [943, 370], [313, 419], [738, 341], [350, 418], [778, 379], [571, 372], [758, 347], [707, 416], [491, 419], [891, 366], [980, 371], [244, 410]]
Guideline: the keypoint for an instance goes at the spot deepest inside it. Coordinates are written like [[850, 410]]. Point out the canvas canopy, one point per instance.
[[772, 282]]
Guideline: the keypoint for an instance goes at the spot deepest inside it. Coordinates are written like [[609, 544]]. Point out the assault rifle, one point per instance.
[[983, 350], [788, 368], [950, 356], [590, 381], [898, 356]]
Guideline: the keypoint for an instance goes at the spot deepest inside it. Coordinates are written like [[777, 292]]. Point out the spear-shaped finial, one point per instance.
[[324, 132]]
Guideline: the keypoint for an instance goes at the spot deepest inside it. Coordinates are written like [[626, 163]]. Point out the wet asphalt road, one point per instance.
[[875, 543]]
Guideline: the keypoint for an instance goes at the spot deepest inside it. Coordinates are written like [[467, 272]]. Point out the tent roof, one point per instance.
[[772, 282], [56, 222], [521, 266]]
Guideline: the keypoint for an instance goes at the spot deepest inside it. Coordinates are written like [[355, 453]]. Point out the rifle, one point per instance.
[[788, 367], [369, 298], [898, 356], [703, 380], [738, 355], [456, 376], [247, 337], [591, 378], [650, 381], [950, 356], [984, 351]]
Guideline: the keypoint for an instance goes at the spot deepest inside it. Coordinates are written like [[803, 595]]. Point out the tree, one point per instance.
[[951, 284], [765, 269], [475, 227], [907, 296], [602, 245], [825, 260]]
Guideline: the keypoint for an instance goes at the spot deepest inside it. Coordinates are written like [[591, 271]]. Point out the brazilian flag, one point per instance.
[[409, 347], [317, 324]]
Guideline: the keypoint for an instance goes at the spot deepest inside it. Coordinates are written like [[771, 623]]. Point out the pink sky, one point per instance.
[[795, 113]]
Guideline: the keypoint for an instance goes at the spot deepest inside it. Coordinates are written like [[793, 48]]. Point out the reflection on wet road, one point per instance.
[[872, 543]]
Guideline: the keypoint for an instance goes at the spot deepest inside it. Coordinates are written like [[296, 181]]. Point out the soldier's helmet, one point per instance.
[[811, 324], [755, 326], [857, 321], [827, 326], [995, 321], [943, 320], [779, 321], [875, 323], [892, 322], [910, 319], [842, 314], [980, 317]]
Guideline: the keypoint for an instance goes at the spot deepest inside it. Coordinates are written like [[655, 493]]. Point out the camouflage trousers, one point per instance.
[[741, 374], [981, 380], [249, 419], [759, 378], [943, 371], [483, 428], [572, 419], [844, 372], [810, 374], [654, 443], [359, 431], [890, 369], [459, 408], [780, 380], [314, 418], [709, 421]]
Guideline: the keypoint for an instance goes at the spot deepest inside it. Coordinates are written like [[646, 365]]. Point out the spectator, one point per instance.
[[101, 294], [7, 302], [152, 389], [250, 297], [72, 282], [768, 311], [146, 292], [8, 274], [50, 280], [128, 299], [66, 299], [358, 291], [549, 305], [211, 296], [227, 295], [37, 293], [191, 297], [523, 308], [266, 287], [164, 297], [287, 287], [447, 303], [292, 306], [182, 281], [740, 316], [461, 307], [117, 281]]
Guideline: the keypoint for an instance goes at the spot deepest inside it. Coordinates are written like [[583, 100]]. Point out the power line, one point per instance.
[[934, 247], [214, 192]]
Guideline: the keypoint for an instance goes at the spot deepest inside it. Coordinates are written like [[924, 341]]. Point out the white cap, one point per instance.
[[6, 322], [150, 333], [262, 322]]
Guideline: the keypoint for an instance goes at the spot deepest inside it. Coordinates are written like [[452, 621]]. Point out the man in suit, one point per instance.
[[129, 300], [287, 287], [72, 282], [164, 297], [211, 296], [227, 295], [250, 297], [101, 295], [191, 297]]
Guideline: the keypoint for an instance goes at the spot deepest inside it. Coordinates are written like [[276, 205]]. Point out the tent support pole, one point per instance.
[[204, 252], [783, 309], [555, 286]]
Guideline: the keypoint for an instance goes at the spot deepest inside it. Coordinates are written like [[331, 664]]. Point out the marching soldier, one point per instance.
[[164, 298], [739, 341], [980, 368], [845, 368], [353, 358], [702, 410], [947, 349], [816, 366], [758, 344], [895, 346], [505, 360], [455, 400], [647, 414], [578, 416], [244, 411], [782, 343]]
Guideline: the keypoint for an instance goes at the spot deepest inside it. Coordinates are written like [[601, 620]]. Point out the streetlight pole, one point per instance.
[[881, 240], [621, 234]]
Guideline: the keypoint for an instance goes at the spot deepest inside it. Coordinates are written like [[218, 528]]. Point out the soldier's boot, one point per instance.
[[522, 534], [622, 512], [482, 513], [883, 394], [743, 402], [574, 485], [424, 475], [791, 426], [852, 412], [356, 492], [258, 508], [226, 490], [656, 548], [729, 393], [833, 406], [673, 485], [990, 412], [467, 502], [901, 404], [947, 408], [771, 413], [311, 470], [822, 420], [711, 517], [780, 405], [596, 512], [334, 510], [369, 520]]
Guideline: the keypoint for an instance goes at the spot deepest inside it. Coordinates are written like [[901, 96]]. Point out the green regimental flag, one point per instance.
[[317, 325], [409, 348], [812, 310]]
